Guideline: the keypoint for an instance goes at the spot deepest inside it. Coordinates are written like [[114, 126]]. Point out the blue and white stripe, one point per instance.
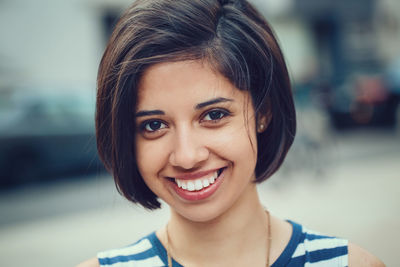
[[138, 254], [315, 250], [305, 248]]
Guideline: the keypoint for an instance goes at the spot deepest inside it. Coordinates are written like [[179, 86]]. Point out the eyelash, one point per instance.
[[144, 125], [222, 112]]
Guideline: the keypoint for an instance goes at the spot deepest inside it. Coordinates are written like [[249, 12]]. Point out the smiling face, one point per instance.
[[196, 144]]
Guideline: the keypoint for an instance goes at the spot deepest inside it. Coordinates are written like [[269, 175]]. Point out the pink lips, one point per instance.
[[192, 176], [200, 194]]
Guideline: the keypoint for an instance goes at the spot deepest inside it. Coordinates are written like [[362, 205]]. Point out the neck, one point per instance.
[[239, 231]]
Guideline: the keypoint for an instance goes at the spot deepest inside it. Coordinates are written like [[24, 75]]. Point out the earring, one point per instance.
[[261, 128]]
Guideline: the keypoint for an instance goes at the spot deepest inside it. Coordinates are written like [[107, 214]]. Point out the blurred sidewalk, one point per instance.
[[351, 190]]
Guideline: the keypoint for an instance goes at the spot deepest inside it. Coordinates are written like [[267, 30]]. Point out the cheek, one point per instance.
[[149, 157], [236, 144]]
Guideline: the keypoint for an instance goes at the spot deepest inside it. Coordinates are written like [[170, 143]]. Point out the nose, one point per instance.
[[189, 151]]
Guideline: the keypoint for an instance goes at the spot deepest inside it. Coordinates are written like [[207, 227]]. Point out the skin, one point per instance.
[[232, 220], [179, 134], [189, 141]]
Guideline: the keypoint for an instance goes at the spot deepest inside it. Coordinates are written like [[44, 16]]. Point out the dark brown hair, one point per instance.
[[230, 35]]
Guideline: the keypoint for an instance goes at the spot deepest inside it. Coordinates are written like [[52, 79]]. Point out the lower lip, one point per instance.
[[201, 194]]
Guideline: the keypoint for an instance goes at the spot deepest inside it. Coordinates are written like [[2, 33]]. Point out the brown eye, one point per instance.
[[215, 115], [152, 126]]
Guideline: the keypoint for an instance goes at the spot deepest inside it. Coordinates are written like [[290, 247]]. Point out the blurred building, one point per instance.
[[349, 34], [61, 41], [346, 53], [49, 54], [340, 48]]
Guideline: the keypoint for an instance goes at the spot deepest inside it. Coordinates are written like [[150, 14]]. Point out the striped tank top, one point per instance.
[[305, 248]]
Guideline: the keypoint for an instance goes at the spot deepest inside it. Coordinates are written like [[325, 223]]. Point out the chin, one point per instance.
[[231, 192], [201, 214]]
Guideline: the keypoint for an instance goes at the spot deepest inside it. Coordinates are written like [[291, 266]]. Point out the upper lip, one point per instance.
[[194, 175]]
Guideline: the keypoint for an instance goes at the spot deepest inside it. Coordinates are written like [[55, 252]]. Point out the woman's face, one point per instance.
[[196, 139]]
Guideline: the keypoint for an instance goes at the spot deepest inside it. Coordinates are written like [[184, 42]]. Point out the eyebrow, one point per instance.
[[213, 101], [144, 113]]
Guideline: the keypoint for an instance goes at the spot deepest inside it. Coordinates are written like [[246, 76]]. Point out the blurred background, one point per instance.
[[58, 206]]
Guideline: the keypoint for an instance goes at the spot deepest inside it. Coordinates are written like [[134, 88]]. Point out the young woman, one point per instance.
[[194, 107]]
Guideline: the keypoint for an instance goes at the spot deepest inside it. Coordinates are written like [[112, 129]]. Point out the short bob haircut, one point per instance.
[[229, 35]]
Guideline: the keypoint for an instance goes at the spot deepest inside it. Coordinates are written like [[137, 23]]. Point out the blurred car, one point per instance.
[[46, 133], [363, 100]]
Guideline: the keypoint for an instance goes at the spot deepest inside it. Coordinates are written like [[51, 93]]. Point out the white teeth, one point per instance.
[[190, 186], [198, 184], [206, 183]]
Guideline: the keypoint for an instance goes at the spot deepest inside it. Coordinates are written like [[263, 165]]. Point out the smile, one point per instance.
[[198, 184], [198, 188]]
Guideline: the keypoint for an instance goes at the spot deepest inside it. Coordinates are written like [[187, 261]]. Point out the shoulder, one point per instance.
[[89, 263], [321, 247], [310, 247], [360, 257], [147, 251], [144, 252]]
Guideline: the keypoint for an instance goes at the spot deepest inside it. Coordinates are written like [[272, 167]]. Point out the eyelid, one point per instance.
[[143, 124], [222, 110]]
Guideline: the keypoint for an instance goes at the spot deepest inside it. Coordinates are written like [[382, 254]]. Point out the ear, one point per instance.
[[263, 120]]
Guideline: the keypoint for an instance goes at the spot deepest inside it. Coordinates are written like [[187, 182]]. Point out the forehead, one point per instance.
[[191, 81]]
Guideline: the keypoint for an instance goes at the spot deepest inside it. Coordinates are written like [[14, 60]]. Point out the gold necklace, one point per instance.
[[269, 240]]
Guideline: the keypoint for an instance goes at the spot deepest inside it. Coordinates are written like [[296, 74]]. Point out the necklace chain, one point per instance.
[[269, 240]]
